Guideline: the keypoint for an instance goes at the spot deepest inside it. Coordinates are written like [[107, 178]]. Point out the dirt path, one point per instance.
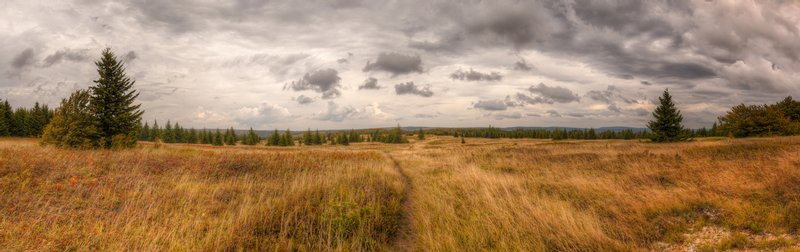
[[403, 241]]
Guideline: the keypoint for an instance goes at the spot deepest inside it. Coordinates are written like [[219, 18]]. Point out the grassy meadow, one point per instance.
[[437, 194]]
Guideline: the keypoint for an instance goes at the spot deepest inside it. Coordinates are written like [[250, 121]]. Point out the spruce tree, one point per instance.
[[421, 134], [230, 136], [307, 138], [317, 138], [288, 138], [217, 139], [116, 115], [192, 137], [275, 139], [667, 126], [145, 134], [155, 133], [5, 118], [168, 134]]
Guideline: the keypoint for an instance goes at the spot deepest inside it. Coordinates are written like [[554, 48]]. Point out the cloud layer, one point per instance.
[[505, 63]]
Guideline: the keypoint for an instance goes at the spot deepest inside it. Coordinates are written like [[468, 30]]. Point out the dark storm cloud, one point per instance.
[[613, 107], [494, 105], [609, 96], [411, 88], [370, 83], [675, 42], [335, 113], [646, 83], [395, 63], [501, 116], [522, 65], [553, 113], [525, 99], [66, 55], [424, 116], [325, 81], [554, 94], [473, 75], [23, 59], [130, 56], [448, 44], [302, 99]]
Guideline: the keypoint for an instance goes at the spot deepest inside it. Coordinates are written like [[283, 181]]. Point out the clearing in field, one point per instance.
[[430, 195]]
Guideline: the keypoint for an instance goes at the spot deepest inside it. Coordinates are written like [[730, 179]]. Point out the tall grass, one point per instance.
[[488, 194], [599, 195], [195, 199]]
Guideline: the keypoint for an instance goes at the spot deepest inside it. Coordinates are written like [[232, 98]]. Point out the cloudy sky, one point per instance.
[[359, 63]]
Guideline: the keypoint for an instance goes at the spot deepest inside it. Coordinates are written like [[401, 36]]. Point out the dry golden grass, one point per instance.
[[536, 195], [194, 199], [488, 194]]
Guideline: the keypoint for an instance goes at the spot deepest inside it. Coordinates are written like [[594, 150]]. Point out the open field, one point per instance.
[[430, 195]]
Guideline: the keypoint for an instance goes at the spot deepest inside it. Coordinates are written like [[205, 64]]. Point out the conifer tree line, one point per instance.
[[24, 122], [176, 134]]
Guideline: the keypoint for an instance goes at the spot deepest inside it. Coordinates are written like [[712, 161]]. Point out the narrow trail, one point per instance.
[[403, 241]]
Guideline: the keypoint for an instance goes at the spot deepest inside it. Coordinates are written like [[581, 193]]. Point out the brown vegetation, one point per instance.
[[487, 194]]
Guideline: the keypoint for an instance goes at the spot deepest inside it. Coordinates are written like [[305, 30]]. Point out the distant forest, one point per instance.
[[782, 118]]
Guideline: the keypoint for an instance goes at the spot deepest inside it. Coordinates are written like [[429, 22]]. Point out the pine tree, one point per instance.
[[667, 125], [307, 138], [192, 137], [317, 138], [217, 139], [168, 134], [155, 134], [145, 134], [421, 134], [275, 139], [5, 118], [462, 140], [288, 138], [113, 103], [230, 136]]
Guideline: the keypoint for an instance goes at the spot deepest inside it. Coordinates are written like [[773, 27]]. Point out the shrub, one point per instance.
[[756, 120]]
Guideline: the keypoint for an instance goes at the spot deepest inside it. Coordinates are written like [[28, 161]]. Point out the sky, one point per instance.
[[340, 64]]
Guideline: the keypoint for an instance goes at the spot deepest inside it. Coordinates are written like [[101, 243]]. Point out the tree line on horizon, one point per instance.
[[176, 134]]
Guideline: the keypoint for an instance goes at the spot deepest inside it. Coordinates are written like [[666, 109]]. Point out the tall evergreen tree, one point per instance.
[[168, 134], [230, 136], [6, 115], [288, 138], [192, 137], [113, 103], [317, 138], [420, 134], [667, 126], [275, 139], [308, 139], [155, 133], [145, 134], [217, 141]]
